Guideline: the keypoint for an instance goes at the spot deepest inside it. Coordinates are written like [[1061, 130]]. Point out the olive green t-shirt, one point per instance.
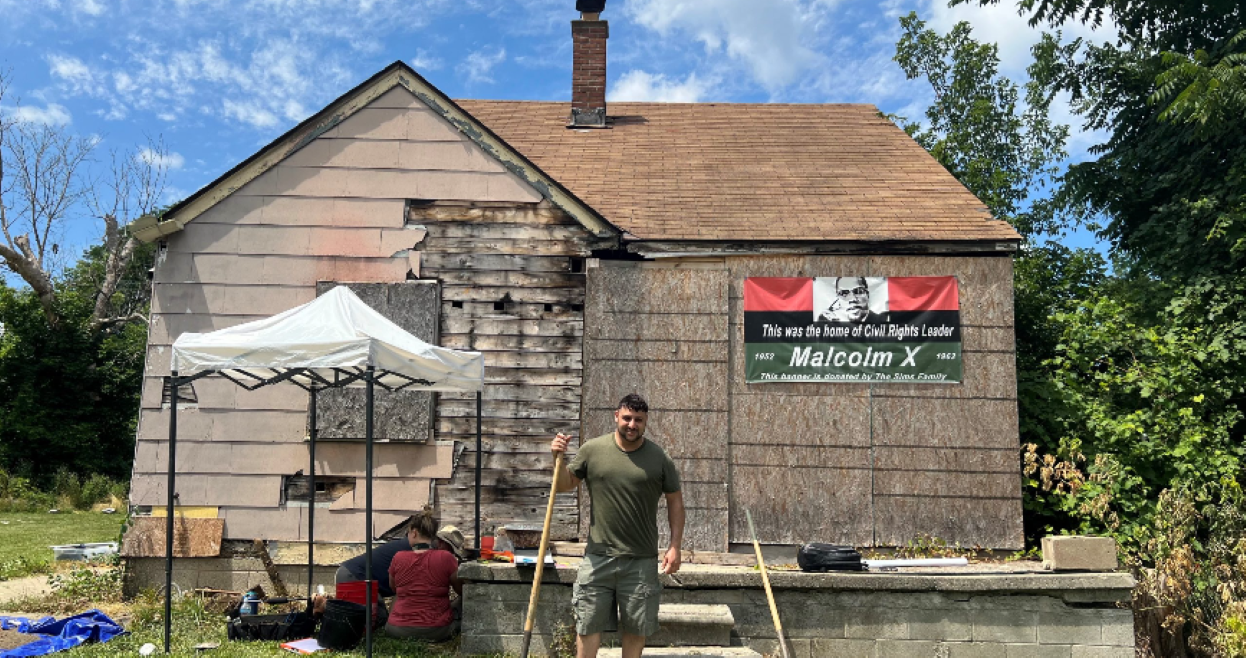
[[625, 488]]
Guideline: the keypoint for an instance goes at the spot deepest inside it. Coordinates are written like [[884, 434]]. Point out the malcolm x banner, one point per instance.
[[852, 329]]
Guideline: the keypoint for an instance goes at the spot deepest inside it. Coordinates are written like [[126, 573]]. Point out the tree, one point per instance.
[[44, 181], [1008, 153], [997, 147]]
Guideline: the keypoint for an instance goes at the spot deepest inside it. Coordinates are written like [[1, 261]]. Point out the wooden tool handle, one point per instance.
[[540, 559], [765, 579]]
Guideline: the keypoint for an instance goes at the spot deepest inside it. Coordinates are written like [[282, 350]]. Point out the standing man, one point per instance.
[[618, 579]]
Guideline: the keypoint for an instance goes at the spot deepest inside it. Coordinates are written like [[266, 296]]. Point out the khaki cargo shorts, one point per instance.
[[617, 593]]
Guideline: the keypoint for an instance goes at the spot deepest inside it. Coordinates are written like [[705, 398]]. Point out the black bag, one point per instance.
[[290, 626], [828, 557]]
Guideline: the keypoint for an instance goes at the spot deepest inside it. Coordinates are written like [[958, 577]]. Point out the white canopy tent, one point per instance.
[[335, 341]]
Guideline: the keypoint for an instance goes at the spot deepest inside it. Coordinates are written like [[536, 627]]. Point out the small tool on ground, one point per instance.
[[765, 580], [540, 560]]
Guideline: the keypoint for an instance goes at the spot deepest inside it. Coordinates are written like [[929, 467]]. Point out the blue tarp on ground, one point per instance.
[[53, 635]]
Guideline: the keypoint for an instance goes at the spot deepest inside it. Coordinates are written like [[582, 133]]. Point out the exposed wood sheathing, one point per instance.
[[512, 288]]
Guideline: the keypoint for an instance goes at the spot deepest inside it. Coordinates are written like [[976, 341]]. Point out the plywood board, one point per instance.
[[668, 385], [984, 522], [192, 537], [624, 288], [947, 423], [795, 506], [801, 420], [399, 415]]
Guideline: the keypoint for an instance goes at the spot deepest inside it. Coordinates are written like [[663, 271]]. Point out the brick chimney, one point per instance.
[[588, 76]]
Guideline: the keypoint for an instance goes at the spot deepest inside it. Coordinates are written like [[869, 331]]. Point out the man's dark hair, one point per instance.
[[634, 402]]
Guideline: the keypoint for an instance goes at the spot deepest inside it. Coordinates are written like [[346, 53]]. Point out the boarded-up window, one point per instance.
[[400, 415]]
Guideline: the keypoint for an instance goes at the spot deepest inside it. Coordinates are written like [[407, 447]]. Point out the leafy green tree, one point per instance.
[[69, 393], [1008, 153]]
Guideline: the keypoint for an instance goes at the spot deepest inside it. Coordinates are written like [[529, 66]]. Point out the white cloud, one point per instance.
[[52, 115], [775, 40], [172, 161], [643, 86], [92, 7], [74, 72], [249, 113], [1001, 24], [423, 61], [479, 65]]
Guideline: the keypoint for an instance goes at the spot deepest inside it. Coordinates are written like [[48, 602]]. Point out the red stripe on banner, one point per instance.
[[778, 294], [922, 293]]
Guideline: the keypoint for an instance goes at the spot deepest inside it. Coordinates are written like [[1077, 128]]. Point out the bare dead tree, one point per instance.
[[44, 180], [134, 188]]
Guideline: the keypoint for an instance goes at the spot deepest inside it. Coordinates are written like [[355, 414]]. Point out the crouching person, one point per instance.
[[618, 579], [422, 579]]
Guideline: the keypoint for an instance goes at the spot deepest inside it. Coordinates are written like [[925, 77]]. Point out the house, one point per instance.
[[589, 251]]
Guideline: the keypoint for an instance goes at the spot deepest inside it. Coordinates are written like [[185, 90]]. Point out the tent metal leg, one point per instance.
[[479, 459], [311, 496], [168, 525], [368, 505]]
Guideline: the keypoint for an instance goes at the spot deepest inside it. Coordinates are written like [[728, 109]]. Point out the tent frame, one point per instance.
[[253, 378]]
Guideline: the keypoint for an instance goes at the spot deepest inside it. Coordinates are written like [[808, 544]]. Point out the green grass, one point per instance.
[[25, 539]]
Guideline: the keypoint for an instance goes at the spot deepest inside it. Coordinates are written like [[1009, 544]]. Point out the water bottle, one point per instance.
[[250, 603]]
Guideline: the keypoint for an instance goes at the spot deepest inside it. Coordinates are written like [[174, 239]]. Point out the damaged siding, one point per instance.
[[333, 211], [512, 287]]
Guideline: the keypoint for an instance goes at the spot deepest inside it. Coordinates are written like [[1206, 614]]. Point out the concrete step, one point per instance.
[[686, 652], [687, 625]]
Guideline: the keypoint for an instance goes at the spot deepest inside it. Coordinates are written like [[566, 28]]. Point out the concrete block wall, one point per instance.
[[975, 619], [233, 574]]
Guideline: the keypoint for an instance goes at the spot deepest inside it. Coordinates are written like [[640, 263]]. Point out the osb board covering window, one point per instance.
[[399, 415], [191, 537], [663, 333]]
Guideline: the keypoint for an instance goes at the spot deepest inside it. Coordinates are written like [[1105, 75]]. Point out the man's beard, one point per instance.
[[630, 439]]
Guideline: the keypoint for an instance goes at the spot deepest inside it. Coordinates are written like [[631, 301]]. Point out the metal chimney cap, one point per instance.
[[590, 6]]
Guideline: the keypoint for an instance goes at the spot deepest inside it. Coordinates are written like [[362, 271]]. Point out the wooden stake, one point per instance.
[[765, 579], [540, 560]]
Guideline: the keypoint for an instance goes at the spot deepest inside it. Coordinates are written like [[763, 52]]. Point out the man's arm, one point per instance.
[[675, 518], [566, 480]]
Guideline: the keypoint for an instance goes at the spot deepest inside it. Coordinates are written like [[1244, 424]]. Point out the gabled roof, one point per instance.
[[680, 172], [731, 172], [397, 74]]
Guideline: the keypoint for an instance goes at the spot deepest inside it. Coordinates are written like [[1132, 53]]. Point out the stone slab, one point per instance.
[[1079, 553], [686, 652]]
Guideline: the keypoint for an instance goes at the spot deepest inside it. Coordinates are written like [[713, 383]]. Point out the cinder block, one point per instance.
[[843, 648], [686, 625], [951, 625], [1005, 626], [1118, 628], [1076, 553], [906, 648], [876, 623], [1076, 627], [973, 650], [1102, 652], [1038, 651]]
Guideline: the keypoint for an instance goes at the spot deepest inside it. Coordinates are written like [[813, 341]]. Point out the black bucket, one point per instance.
[[342, 626]]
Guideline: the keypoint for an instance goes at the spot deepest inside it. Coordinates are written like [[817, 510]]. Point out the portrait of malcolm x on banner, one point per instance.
[[850, 299]]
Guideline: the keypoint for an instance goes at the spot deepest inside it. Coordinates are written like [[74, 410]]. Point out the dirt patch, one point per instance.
[[13, 640]]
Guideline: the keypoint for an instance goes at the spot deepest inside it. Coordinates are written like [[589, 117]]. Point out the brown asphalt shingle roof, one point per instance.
[[712, 171]]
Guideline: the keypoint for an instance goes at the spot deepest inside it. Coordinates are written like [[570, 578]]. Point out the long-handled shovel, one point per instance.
[[765, 579], [540, 560]]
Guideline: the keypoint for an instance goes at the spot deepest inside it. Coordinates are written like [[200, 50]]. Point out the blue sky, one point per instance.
[[218, 79]]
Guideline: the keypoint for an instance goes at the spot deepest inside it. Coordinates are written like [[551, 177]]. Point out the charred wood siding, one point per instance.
[[512, 287]]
